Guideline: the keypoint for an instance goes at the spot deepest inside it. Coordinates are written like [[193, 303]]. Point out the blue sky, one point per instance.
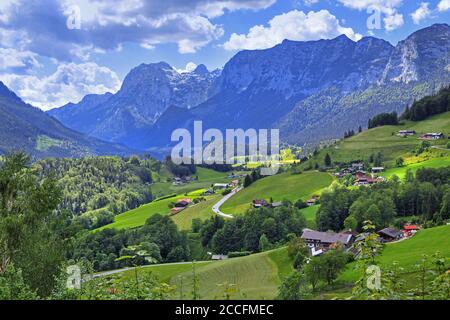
[[56, 51]]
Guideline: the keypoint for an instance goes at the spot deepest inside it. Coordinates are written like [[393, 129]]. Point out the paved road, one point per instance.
[[216, 207]]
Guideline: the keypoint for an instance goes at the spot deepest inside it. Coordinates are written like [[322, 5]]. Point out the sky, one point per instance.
[[56, 51]]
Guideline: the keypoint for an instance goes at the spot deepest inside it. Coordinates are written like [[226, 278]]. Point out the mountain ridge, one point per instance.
[[26, 128], [311, 90]]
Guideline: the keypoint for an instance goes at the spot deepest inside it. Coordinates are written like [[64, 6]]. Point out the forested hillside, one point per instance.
[[94, 190]]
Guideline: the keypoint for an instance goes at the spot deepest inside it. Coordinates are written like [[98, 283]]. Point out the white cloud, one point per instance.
[[421, 13], [190, 66], [69, 83], [394, 21], [14, 60], [293, 25], [444, 5], [108, 24]]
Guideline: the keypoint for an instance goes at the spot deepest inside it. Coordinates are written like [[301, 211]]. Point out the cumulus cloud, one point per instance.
[[293, 25], [421, 13], [69, 83], [444, 5], [107, 24]]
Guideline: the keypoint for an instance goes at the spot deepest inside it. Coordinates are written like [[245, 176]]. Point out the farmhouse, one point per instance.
[[259, 203], [183, 203], [317, 239], [218, 257], [432, 136], [208, 192], [233, 183], [409, 230], [406, 133], [176, 210], [220, 185], [276, 204], [390, 234], [377, 169]]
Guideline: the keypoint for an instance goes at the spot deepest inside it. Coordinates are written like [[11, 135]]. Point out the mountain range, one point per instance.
[[26, 128], [312, 91]]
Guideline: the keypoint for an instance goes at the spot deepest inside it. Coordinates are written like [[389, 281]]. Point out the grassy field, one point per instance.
[[432, 163], [409, 252], [384, 140], [258, 276], [310, 215], [279, 187], [137, 217], [206, 177], [202, 210], [255, 277]]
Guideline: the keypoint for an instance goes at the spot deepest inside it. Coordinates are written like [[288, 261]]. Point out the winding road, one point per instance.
[[216, 207]]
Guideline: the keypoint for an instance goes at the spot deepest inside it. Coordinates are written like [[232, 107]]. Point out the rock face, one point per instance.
[[309, 90], [147, 91], [25, 128]]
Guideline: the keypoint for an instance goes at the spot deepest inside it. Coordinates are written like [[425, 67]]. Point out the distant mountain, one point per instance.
[[25, 128], [311, 91], [147, 92]]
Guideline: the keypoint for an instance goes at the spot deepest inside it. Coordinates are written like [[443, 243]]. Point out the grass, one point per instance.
[[43, 143], [165, 272], [257, 277], [278, 187], [409, 252], [206, 177], [137, 217], [310, 215], [432, 163], [202, 211], [384, 140]]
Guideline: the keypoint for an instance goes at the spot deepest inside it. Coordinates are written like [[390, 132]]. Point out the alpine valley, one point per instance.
[[312, 91]]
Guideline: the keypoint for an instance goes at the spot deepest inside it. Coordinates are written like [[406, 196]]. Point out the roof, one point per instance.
[[326, 237], [184, 200], [390, 232], [411, 227]]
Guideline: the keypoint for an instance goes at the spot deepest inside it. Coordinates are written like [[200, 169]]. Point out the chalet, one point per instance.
[[316, 239], [377, 169], [390, 234], [176, 210], [208, 192], [233, 183], [183, 203], [406, 133], [311, 202], [218, 257], [358, 166], [220, 185], [259, 203], [432, 136], [410, 230], [276, 204]]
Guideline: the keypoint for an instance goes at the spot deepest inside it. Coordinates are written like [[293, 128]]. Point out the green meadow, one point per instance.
[[432, 163], [285, 186]]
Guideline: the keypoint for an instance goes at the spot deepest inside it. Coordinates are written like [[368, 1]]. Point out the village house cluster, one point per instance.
[[425, 136], [320, 242], [360, 176]]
